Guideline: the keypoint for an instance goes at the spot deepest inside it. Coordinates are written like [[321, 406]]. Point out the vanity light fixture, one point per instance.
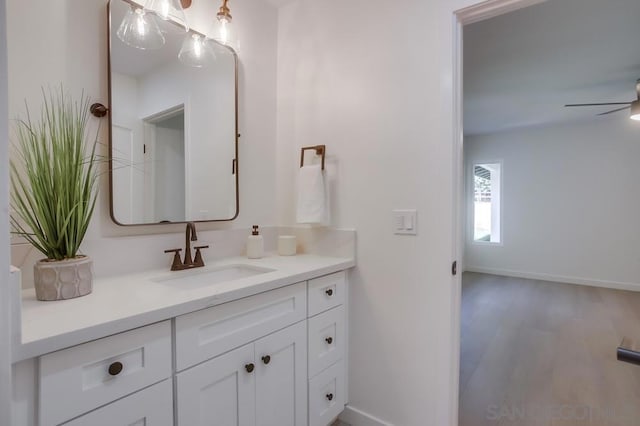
[[139, 30]]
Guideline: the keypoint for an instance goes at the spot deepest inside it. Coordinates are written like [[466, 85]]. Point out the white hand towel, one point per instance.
[[313, 196]]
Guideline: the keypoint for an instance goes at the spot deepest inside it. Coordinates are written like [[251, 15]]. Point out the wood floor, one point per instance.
[[541, 353]]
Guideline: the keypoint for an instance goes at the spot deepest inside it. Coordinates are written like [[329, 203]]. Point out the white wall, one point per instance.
[[570, 202], [371, 79], [75, 53], [5, 339]]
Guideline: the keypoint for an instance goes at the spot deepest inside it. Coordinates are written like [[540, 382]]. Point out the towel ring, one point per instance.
[[319, 149]]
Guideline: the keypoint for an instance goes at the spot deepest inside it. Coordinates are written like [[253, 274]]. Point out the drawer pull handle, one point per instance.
[[329, 292], [115, 368], [266, 359], [330, 396], [329, 340], [249, 367]]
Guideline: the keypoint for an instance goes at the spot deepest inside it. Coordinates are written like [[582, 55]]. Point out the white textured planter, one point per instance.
[[63, 279]]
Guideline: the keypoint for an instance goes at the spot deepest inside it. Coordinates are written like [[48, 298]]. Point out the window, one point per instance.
[[486, 202]]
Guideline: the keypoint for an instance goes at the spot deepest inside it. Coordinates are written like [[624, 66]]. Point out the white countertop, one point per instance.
[[121, 303]]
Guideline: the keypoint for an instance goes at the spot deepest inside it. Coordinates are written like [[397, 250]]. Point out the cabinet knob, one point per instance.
[[329, 340], [329, 292], [329, 396], [115, 368], [266, 359], [249, 367]]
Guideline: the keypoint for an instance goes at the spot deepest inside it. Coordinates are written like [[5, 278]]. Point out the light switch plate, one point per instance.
[[405, 222]]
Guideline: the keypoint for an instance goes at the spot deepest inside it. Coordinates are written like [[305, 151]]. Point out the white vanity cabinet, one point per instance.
[[275, 358]]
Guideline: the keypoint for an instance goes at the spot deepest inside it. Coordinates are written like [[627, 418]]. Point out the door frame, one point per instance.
[[464, 12]]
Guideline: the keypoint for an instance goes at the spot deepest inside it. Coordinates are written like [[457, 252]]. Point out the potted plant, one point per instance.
[[53, 182]]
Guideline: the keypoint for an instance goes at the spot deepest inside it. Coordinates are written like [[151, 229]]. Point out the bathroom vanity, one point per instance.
[[238, 342]]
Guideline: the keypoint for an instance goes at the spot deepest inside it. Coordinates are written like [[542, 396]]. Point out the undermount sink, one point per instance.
[[196, 278]]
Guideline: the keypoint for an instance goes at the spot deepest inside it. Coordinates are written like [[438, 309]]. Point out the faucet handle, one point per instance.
[[198, 261], [177, 263]]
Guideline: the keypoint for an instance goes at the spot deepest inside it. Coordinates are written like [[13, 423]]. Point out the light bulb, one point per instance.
[[197, 46], [224, 31], [141, 25]]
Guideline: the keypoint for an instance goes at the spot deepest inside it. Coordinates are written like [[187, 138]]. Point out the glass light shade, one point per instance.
[[140, 31], [168, 9], [635, 110], [222, 33], [196, 51]]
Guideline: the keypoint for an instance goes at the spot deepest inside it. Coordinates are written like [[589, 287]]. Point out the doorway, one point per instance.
[[164, 172], [502, 299]]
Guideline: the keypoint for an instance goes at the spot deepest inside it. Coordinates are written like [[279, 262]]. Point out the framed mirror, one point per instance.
[[173, 146]]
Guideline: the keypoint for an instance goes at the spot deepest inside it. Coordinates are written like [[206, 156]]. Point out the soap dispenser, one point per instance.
[[255, 244]]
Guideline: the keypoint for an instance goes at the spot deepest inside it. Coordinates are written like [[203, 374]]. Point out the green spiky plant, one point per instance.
[[54, 176]]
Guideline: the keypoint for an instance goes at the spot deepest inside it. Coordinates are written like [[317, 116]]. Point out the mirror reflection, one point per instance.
[[173, 128]]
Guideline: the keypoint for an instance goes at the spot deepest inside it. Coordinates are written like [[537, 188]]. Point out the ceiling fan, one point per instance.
[[634, 105]]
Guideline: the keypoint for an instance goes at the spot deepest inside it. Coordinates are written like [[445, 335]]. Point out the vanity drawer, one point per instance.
[[326, 339], [205, 334], [149, 407], [326, 292], [326, 395], [76, 380]]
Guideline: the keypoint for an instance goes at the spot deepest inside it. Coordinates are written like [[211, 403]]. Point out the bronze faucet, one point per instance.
[[188, 263]]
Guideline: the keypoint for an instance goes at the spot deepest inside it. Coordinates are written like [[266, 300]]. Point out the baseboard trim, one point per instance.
[[356, 417], [556, 278]]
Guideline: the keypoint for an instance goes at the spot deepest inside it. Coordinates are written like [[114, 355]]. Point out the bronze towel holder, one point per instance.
[[319, 149]]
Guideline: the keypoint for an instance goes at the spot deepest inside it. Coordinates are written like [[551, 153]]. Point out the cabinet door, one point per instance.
[[149, 407], [219, 392], [281, 377]]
